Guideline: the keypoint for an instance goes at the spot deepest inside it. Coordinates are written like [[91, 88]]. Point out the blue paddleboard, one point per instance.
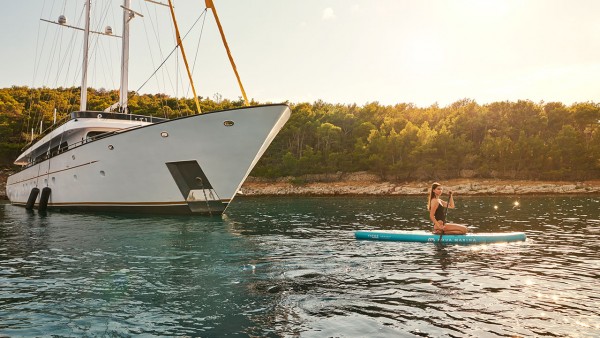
[[426, 236]]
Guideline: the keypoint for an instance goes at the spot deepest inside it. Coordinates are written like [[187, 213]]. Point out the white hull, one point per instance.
[[190, 165]]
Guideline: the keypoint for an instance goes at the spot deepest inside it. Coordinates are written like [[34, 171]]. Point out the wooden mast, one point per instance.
[[209, 4]]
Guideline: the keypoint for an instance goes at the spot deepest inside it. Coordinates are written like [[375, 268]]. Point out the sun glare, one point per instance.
[[498, 7], [425, 56]]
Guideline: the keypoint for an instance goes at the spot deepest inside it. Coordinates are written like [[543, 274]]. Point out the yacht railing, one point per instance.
[[116, 116], [94, 114]]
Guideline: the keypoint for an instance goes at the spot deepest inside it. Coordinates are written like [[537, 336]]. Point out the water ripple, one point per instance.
[[291, 267]]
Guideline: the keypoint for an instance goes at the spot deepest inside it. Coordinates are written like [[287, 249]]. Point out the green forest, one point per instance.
[[402, 142]]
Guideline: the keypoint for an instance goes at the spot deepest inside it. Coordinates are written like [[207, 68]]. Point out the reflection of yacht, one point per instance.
[[122, 162]]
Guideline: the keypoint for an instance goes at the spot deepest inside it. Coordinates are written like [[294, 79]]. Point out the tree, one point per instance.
[[519, 139], [568, 151]]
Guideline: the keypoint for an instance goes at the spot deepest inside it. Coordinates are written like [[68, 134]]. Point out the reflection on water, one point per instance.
[[291, 267]]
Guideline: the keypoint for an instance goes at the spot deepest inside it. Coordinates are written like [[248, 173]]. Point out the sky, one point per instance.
[[339, 51]]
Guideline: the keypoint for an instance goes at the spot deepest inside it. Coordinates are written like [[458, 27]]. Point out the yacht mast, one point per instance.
[[86, 38], [211, 5], [127, 16]]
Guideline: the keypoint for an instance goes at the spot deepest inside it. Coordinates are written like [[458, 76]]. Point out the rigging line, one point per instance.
[[103, 17], [64, 6], [35, 70], [109, 62], [93, 56], [112, 63], [172, 51], [39, 115], [156, 35], [93, 65], [72, 86], [68, 59], [95, 51], [60, 34], [199, 40], [173, 76], [102, 45], [156, 31], [165, 75], [68, 55], [50, 60], [72, 49], [157, 69], [198, 48], [177, 79], [102, 65], [98, 48], [44, 40], [102, 22], [174, 80], [183, 56], [179, 83], [37, 45], [59, 57], [150, 49]]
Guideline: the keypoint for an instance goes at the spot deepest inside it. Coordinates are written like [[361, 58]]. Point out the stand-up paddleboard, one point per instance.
[[426, 236]]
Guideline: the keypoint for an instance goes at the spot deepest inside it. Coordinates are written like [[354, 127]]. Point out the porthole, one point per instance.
[[102, 173], [53, 180], [228, 123], [75, 177], [164, 134], [73, 156], [110, 147]]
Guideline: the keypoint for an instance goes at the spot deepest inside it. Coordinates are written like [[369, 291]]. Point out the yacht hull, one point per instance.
[[190, 165]]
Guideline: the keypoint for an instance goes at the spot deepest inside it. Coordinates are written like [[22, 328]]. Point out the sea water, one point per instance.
[[288, 267]]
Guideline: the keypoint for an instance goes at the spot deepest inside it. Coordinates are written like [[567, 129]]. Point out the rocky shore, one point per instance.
[[462, 187], [368, 184]]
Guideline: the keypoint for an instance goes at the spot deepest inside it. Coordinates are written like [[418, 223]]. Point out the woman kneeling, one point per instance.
[[437, 212]]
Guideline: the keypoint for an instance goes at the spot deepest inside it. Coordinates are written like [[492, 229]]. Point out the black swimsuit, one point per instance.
[[440, 214]]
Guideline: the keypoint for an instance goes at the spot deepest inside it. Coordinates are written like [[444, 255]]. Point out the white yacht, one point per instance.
[[120, 162]]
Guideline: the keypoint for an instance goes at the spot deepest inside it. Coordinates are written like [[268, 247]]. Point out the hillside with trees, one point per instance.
[[403, 142]]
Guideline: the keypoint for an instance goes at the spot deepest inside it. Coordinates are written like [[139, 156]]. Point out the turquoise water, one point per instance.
[[282, 267]]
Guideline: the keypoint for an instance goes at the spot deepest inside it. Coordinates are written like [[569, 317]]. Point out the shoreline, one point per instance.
[[470, 187], [363, 184]]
